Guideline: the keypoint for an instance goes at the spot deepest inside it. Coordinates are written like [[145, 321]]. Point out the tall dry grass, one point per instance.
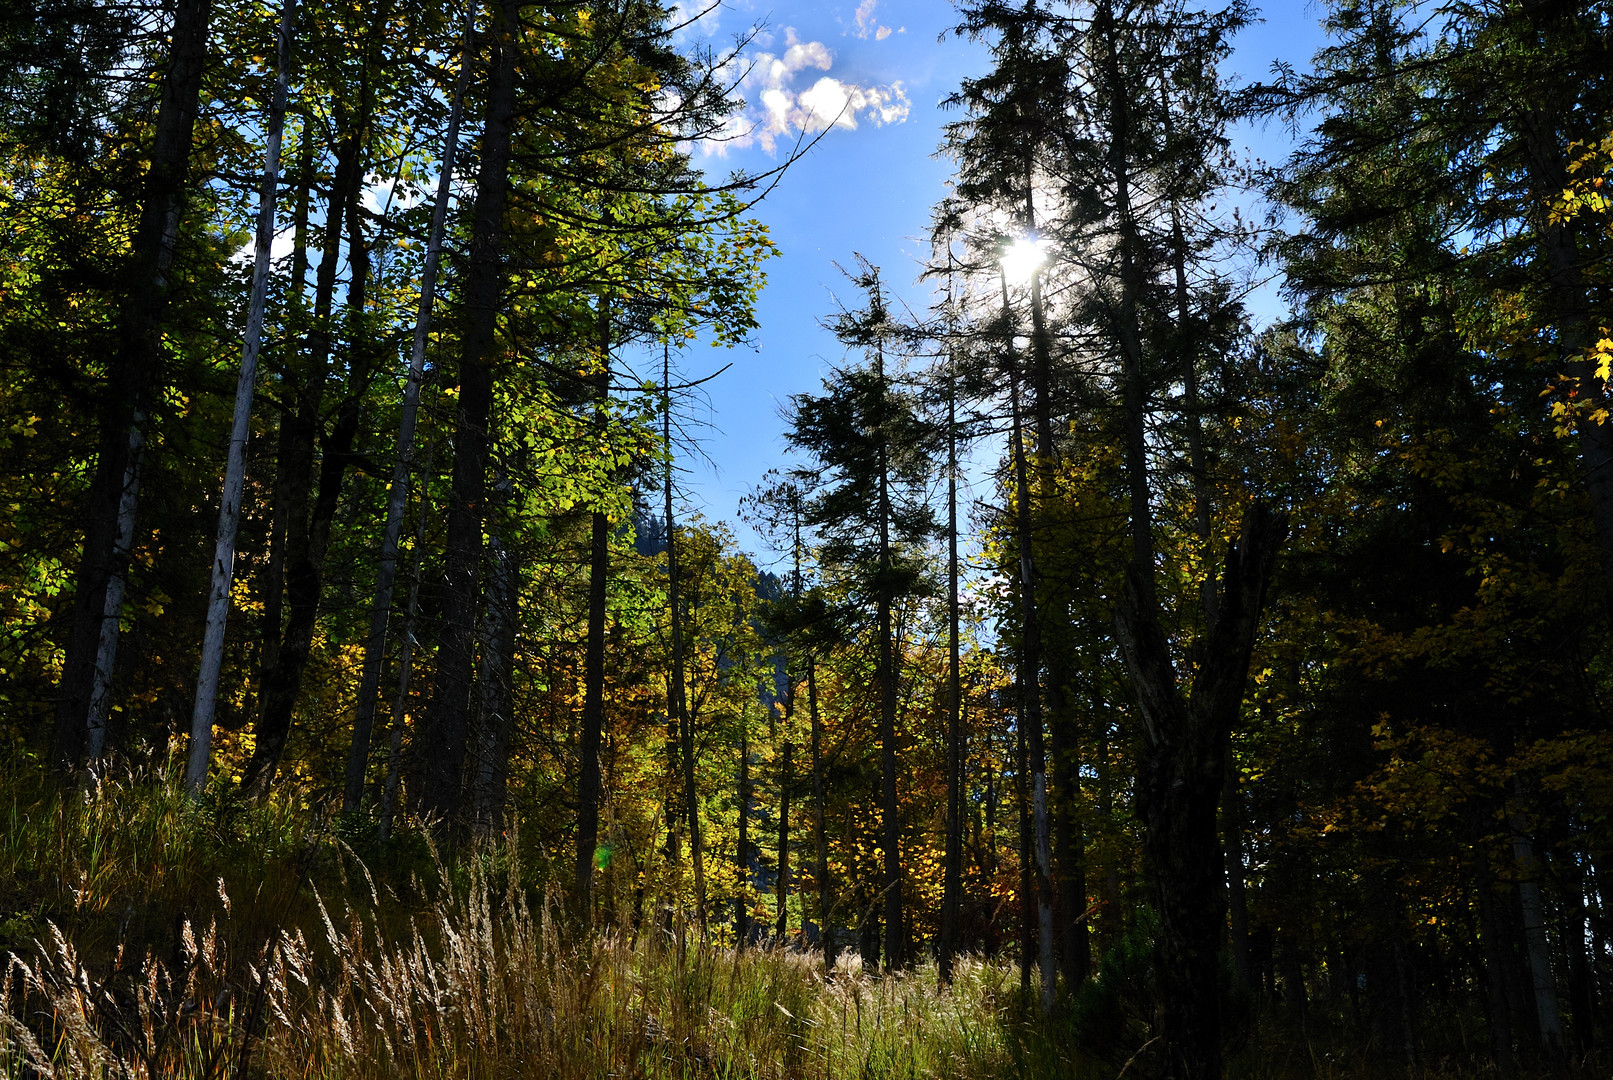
[[468, 975]]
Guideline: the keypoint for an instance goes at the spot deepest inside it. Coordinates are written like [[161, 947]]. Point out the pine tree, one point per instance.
[[869, 445]]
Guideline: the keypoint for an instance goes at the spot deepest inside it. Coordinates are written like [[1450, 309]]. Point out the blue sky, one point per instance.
[[867, 189]]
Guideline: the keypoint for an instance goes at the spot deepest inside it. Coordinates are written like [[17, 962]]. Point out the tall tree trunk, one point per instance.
[[890, 806], [106, 653], [443, 735], [394, 761], [398, 491], [742, 922], [1066, 875], [1576, 932], [677, 688], [589, 788], [132, 377], [494, 715], [786, 779], [1027, 878], [952, 873], [229, 511], [826, 905], [1030, 719]]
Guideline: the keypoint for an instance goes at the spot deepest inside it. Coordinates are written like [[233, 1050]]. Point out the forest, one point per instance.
[[1130, 686]]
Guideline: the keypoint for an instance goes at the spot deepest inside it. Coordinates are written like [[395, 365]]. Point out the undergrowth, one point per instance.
[[147, 935]]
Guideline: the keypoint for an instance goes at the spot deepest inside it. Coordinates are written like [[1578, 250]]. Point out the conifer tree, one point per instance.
[[868, 445]]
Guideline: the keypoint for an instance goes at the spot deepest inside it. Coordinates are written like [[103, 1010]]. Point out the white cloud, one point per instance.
[[867, 24], [776, 108]]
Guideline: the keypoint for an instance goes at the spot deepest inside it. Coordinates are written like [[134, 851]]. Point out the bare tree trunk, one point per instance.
[[398, 492], [826, 906], [394, 761], [443, 735], [106, 654], [786, 779], [952, 874], [229, 511], [1031, 707], [1027, 880], [678, 689], [593, 709], [742, 922], [133, 372], [890, 806], [494, 717]]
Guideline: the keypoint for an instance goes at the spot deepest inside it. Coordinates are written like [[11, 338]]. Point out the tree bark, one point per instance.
[[786, 779], [443, 735], [742, 921], [229, 511], [1030, 719], [589, 788], [678, 685], [952, 873], [132, 377], [106, 654], [394, 761], [890, 807], [826, 904], [1180, 778], [494, 714]]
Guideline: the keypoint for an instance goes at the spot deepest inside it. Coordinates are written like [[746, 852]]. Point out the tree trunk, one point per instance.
[[742, 923], [131, 378], [678, 686], [1065, 874], [106, 654], [1183, 761], [890, 806], [589, 788], [786, 779], [826, 906], [1180, 779], [443, 735], [229, 511], [1030, 719], [494, 715], [398, 491], [394, 761], [1027, 896], [952, 873]]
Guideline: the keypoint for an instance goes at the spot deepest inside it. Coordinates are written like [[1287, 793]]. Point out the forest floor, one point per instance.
[[149, 936]]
